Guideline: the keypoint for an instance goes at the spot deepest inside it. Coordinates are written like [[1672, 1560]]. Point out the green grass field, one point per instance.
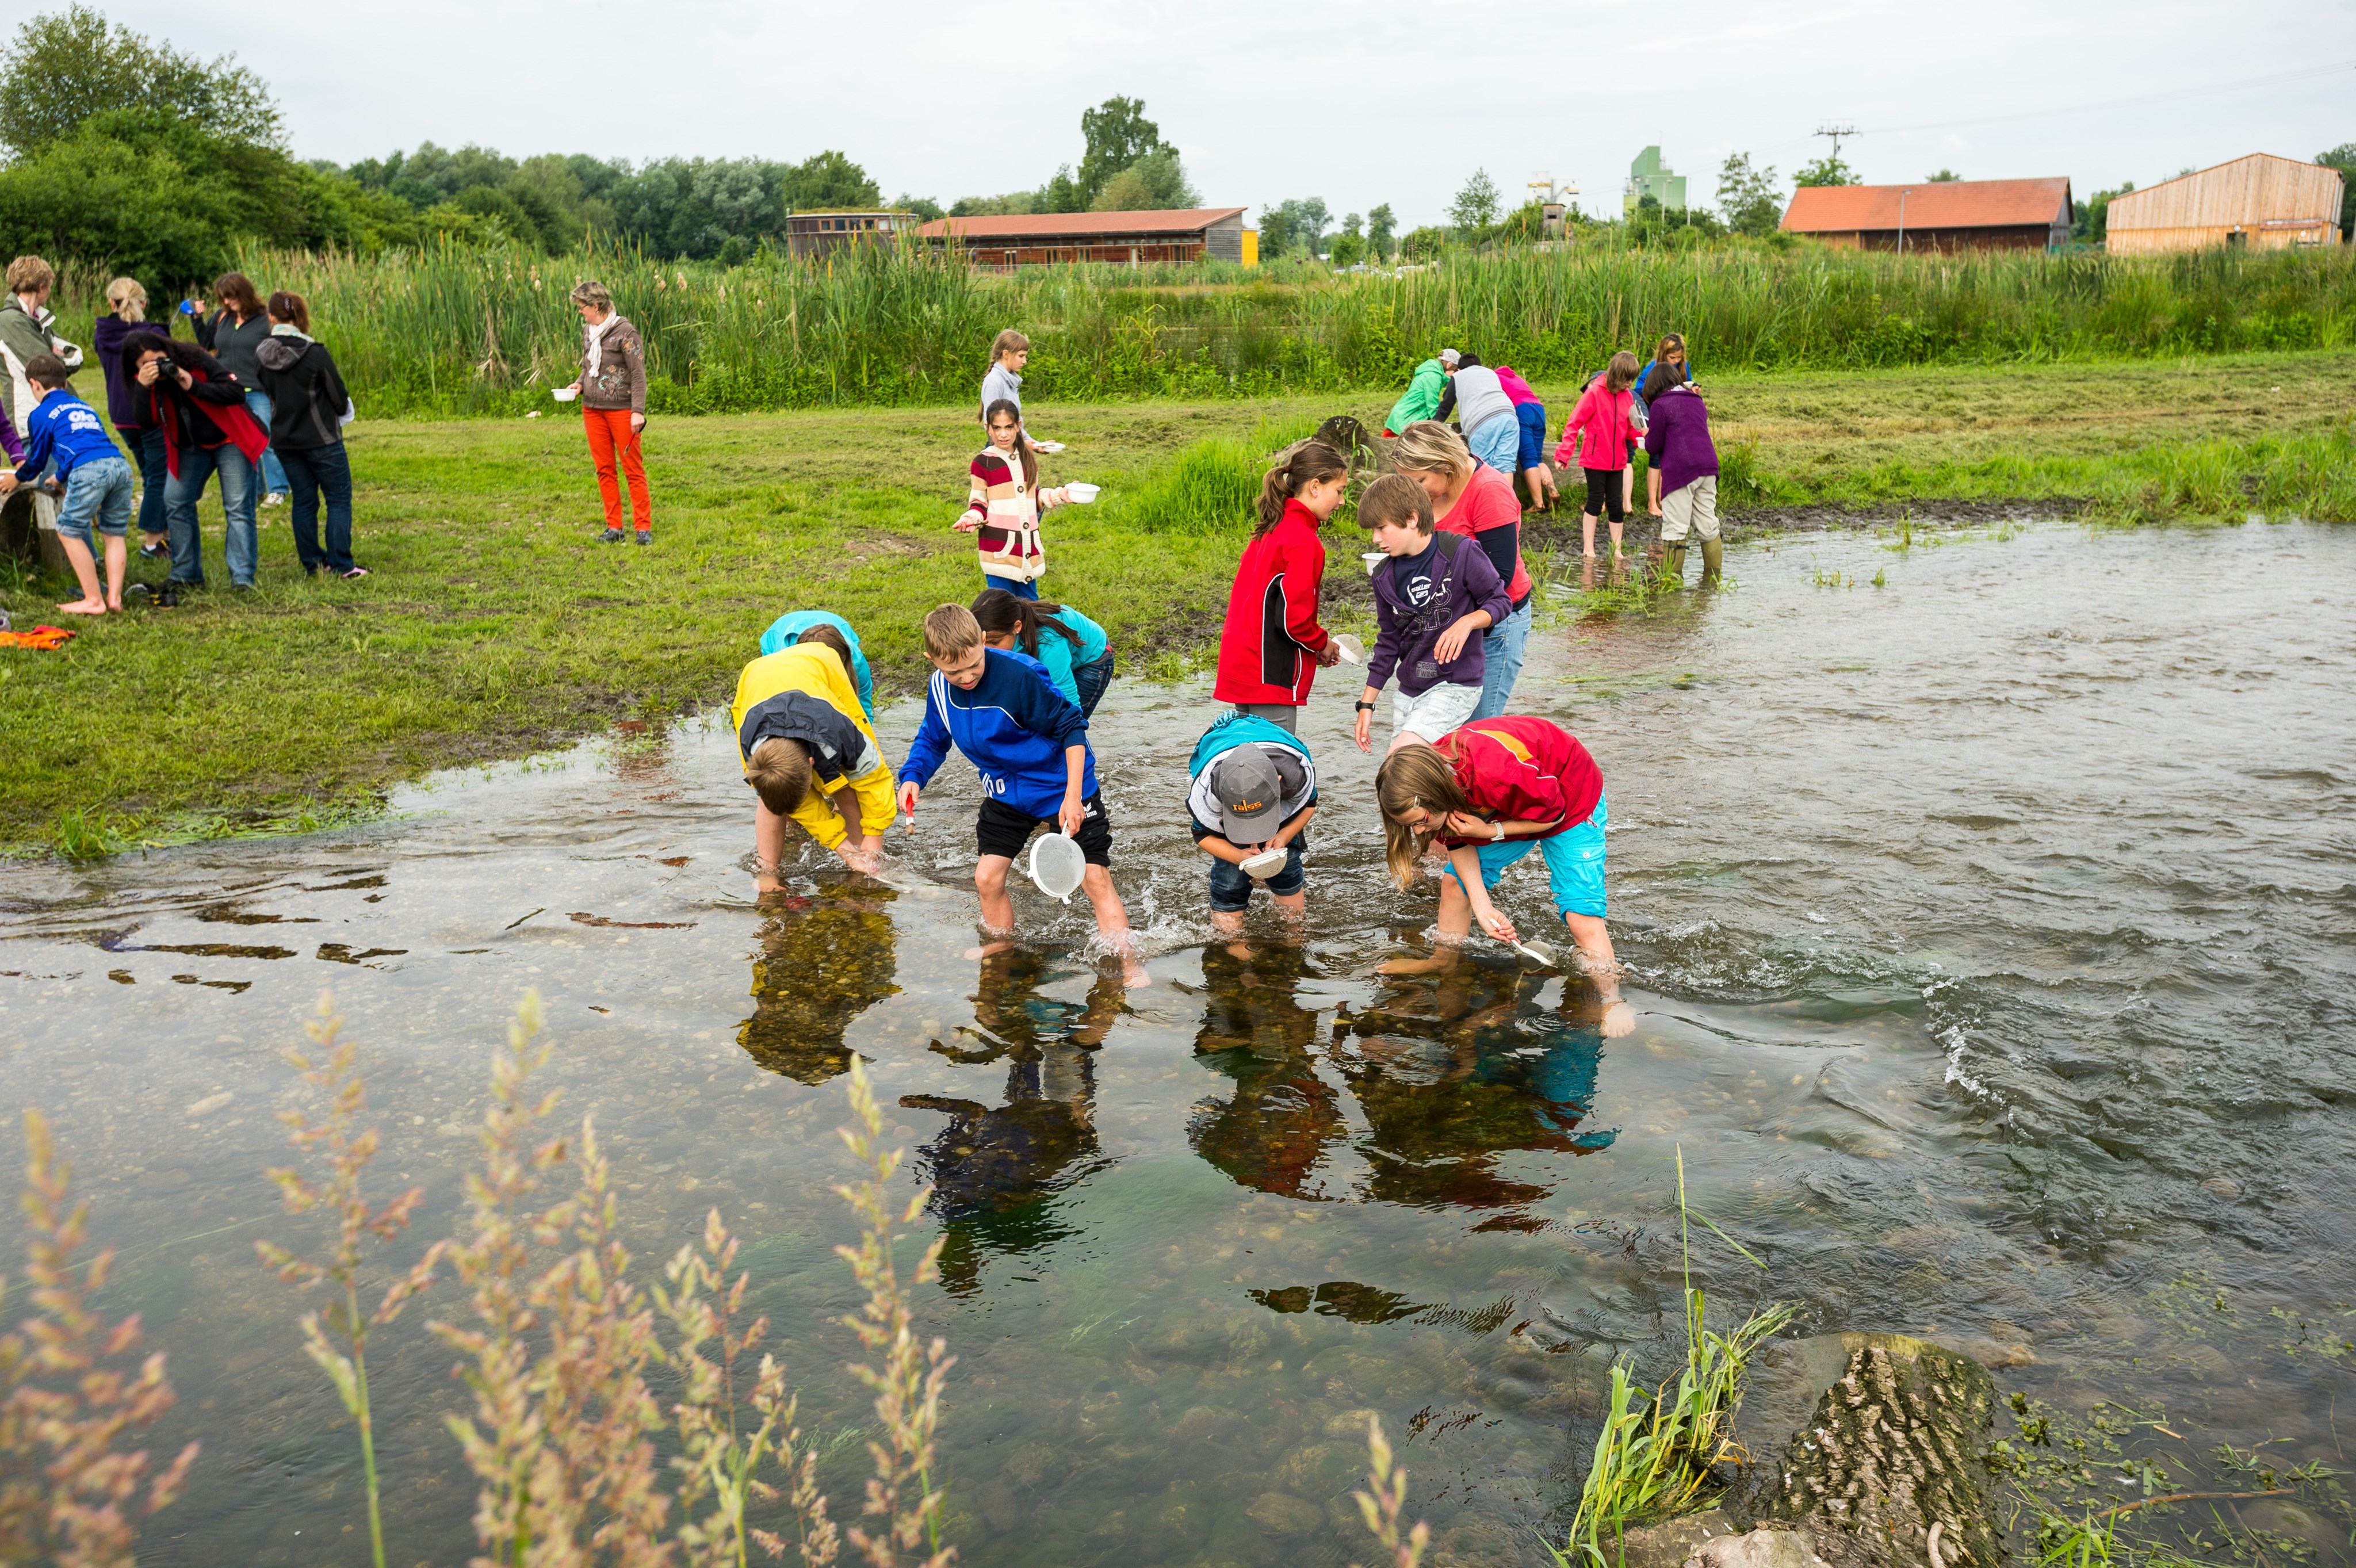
[[495, 624]]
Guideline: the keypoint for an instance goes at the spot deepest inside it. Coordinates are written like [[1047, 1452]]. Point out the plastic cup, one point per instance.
[[566, 394], [1265, 865], [1352, 650], [1057, 866], [1083, 494]]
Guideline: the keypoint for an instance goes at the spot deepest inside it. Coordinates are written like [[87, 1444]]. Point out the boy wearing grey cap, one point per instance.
[[1255, 789]]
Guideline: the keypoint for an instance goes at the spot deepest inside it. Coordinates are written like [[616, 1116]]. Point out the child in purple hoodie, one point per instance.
[[1433, 599], [1682, 480]]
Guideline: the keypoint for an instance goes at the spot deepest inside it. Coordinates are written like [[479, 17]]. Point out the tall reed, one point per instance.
[[456, 329]]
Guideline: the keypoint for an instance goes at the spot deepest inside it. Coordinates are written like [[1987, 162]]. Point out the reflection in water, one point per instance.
[[1456, 1069], [995, 1171], [823, 962], [1282, 1117]]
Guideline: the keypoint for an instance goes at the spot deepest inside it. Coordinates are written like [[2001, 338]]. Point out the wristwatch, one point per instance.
[[1499, 836], [1364, 707]]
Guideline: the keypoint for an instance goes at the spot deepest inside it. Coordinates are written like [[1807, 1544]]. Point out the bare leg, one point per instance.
[[1228, 920], [1593, 938], [1112, 923], [989, 881], [85, 569], [118, 559], [1455, 923], [1586, 533]]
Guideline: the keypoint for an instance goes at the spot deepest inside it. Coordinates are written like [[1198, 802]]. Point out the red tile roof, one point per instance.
[[1051, 225], [1943, 204]]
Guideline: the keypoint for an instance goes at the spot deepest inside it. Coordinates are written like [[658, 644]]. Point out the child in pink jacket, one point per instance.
[[1600, 430]]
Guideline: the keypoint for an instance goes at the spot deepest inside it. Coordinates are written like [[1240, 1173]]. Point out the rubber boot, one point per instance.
[[1673, 563], [1713, 559]]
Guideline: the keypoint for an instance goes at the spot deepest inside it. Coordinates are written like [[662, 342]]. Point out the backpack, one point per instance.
[[1231, 730]]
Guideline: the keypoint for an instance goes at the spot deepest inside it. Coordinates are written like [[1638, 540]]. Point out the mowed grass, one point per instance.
[[496, 626]]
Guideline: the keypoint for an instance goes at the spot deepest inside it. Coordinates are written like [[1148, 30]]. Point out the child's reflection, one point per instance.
[[1277, 1127], [995, 1170], [823, 961]]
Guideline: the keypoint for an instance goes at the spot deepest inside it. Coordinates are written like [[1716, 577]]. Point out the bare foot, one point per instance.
[[83, 607], [989, 950], [1228, 920], [1133, 973], [1618, 1019], [1433, 964]]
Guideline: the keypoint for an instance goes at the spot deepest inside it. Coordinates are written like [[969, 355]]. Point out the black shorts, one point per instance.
[[1604, 493], [1003, 830]]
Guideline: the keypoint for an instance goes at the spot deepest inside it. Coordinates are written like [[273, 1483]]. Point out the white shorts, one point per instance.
[[1439, 710], [1693, 504]]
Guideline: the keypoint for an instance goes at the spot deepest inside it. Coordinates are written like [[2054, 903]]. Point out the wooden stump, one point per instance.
[[1897, 1449]]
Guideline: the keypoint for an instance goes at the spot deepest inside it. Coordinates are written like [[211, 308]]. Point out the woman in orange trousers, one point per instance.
[[613, 388]]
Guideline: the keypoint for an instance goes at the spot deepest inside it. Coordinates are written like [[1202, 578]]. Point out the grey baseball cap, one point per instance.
[[1449, 357], [1250, 785]]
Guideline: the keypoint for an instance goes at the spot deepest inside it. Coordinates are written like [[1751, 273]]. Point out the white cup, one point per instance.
[[1083, 494], [566, 394]]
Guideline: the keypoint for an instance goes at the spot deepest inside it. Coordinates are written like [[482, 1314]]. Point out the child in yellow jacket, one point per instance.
[[810, 756]]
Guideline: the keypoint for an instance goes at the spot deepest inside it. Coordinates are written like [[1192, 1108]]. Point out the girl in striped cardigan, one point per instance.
[[1004, 504]]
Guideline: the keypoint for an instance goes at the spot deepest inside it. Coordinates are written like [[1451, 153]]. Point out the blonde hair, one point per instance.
[[1621, 373], [1009, 342], [30, 275], [779, 772], [1415, 776], [592, 292], [950, 631], [1428, 446], [1392, 499], [128, 298]]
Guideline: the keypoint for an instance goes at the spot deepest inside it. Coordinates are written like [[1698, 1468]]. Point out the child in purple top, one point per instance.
[[1434, 597], [1681, 486]]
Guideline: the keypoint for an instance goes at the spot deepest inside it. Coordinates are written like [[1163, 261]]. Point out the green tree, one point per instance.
[[924, 207], [1380, 225], [1155, 182], [1061, 193], [1349, 246], [66, 66], [1748, 198], [1275, 231], [828, 179], [1944, 176], [1827, 171], [2343, 158], [1117, 134], [2093, 223], [1476, 206]]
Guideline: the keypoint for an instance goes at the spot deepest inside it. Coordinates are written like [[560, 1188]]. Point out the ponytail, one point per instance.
[[1310, 462], [1001, 612]]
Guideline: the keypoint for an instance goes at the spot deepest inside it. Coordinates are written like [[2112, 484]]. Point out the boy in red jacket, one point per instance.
[[1272, 647]]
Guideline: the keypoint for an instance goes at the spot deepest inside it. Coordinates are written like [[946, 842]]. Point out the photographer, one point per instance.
[[200, 409]]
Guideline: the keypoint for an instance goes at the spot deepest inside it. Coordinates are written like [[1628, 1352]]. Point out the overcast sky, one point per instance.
[[1368, 101]]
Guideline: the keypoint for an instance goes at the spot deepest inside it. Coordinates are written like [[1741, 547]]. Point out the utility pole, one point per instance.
[[1901, 218], [1838, 132]]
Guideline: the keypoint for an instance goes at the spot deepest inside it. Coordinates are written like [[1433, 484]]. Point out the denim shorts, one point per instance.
[[100, 490], [1496, 442], [1574, 860], [1231, 890]]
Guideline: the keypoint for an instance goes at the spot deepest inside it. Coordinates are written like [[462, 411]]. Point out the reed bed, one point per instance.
[[456, 329]]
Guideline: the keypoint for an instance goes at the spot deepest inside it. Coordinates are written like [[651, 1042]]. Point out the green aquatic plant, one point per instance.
[[83, 835], [337, 1339], [71, 1397]]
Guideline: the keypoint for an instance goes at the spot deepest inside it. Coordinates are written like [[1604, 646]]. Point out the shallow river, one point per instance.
[[1993, 935]]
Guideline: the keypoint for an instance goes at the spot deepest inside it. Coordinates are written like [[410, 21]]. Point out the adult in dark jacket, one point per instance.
[[308, 402], [1681, 477], [231, 335], [200, 409], [126, 405]]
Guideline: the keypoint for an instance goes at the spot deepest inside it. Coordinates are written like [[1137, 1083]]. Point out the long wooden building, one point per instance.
[[1936, 215], [1127, 239], [2261, 201]]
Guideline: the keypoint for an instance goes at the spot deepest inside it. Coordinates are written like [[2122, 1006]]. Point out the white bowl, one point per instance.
[[1265, 865], [1352, 650], [566, 394], [1373, 558], [1083, 494]]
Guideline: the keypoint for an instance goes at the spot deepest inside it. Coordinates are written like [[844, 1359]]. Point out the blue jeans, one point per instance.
[[99, 489], [1574, 860], [1501, 654], [240, 546], [311, 472], [1024, 590], [274, 473], [146, 445], [1231, 890], [1497, 443], [1092, 679]]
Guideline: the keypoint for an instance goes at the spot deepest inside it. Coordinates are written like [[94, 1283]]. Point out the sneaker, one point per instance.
[[354, 574], [645, 536], [158, 552], [611, 536], [275, 498]]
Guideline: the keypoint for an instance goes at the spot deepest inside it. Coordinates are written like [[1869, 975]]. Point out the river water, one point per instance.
[[1992, 927]]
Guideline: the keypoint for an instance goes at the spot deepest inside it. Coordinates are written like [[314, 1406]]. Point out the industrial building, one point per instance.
[[1936, 215], [1125, 238], [1648, 176], [2261, 201]]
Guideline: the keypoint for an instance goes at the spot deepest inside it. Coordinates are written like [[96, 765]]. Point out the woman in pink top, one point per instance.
[[1531, 412], [1476, 500], [1600, 430]]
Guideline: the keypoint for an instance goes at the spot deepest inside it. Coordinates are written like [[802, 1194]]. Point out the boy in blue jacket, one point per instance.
[[1031, 746], [96, 480]]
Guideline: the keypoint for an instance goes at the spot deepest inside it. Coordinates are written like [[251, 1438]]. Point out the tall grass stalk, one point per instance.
[[453, 330], [337, 1339], [70, 1490], [1385, 1499]]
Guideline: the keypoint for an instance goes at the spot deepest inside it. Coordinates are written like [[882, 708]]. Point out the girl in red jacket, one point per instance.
[[1272, 647], [1601, 427], [1488, 794]]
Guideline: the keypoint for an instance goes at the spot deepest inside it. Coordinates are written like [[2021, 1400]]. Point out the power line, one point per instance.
[[2203, 89]]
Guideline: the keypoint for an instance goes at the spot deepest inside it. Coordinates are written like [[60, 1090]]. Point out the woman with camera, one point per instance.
[[199, 407]]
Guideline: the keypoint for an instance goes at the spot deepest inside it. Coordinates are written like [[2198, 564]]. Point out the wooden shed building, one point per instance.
[[1936, 215], [817, 233], [2261, 201], [1127, 238]]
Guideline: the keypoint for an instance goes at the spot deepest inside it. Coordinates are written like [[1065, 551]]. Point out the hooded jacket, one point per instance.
[[1462, 581], [1013, 727], [1268, 648], [1677, 440], [126, 400], [1421, 399], [306, 392], [213, 406], [1607, 420], [1523, 770]]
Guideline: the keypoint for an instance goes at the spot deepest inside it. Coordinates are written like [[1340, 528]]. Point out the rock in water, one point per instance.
[[1896, 1446]]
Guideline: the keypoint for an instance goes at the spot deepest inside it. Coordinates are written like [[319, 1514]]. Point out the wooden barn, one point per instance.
[[2262, 201], [819, 233], [1126, 239], [1936, 215]]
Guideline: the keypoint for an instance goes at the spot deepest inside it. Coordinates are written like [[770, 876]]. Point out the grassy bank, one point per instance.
[[470, 331], [494, 626]]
